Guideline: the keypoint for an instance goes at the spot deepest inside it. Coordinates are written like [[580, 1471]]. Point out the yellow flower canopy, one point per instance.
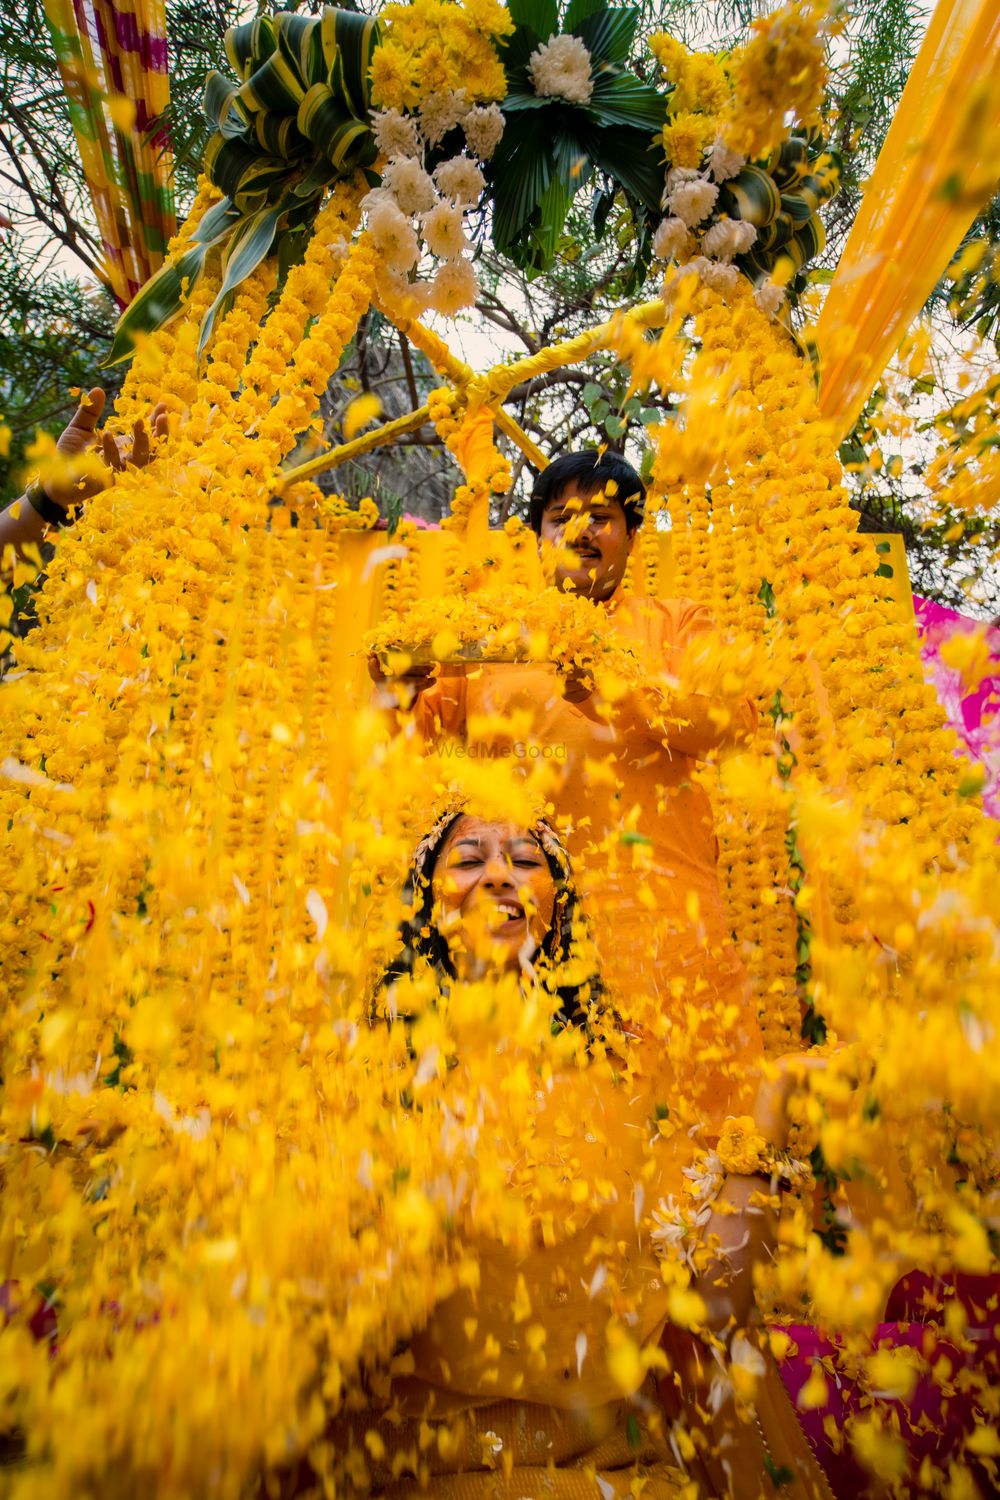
[[238, 1191]]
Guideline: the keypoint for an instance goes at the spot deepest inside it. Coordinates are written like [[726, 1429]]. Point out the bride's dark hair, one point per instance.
[[420, 938]]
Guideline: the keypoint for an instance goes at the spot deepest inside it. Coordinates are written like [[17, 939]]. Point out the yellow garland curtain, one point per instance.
[[206, 833], [928, 183]]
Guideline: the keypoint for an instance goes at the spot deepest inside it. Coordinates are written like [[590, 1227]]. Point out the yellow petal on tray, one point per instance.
[[446, 643]]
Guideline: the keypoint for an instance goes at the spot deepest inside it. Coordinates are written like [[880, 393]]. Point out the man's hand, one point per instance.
[[414, 680], [81, 434], [576, 685], [21, 525]]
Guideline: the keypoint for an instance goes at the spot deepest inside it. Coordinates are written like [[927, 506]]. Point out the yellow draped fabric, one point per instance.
[[939, 164]]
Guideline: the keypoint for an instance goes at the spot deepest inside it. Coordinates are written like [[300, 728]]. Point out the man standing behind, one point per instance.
[[639, 826]]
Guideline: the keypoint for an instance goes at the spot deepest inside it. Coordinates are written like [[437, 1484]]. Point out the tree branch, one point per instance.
[[497, 314], [68, 230], [411, 384], [546, 382]]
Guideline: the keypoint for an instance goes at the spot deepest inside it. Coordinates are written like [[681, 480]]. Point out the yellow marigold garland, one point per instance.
[[206, 1145]]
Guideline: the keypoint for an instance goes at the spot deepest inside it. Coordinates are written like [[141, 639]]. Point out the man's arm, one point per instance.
[[434, 704], [22, 524], [691, 723]]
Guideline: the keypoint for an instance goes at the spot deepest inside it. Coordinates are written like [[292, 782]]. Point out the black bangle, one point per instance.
[[51, 513]]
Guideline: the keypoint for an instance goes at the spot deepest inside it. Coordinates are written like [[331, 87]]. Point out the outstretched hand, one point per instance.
[[116, 452], [411, 683], [576, 684]]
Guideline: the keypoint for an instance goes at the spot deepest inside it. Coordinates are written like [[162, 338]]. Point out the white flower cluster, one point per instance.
[[414, 208], [769, 297], [723, 162], [560, 69], [728, 238], [678, 1227], [703, 244]]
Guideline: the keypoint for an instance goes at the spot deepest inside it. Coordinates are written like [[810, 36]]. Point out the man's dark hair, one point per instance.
[[588, 472]]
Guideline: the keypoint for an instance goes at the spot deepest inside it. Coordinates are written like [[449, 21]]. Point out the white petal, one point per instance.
[[316, 907], [382, 555]]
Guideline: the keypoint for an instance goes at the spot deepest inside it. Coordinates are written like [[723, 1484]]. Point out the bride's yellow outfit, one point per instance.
[[535, 1381], [541, 1379]]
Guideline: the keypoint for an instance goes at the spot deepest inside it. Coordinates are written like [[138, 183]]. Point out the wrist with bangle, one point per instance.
[[45, 507], [744, 1152]]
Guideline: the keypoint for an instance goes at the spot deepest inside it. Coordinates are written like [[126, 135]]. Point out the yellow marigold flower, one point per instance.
[[702, 85], [392, 77], [488, 17], [670, 53], [685, 137], [362, 410], [780, 71], [742, 1149]]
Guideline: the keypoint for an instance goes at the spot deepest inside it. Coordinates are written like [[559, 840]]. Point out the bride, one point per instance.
[[568, 1363]]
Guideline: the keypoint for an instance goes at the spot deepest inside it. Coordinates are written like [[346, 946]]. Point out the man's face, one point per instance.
[[593, 527]]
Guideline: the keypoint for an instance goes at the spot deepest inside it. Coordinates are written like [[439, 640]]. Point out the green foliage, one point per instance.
[[974, 299], [552, 148], [951, 555], [295, 121], [56, 326]]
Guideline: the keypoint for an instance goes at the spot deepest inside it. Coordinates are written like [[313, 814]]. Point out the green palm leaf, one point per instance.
[[608, 35], [274, 85], [326, 121], [571, 159], [796, 207], [157, 303], [250, 242], [278, 135], [630, 159], [247, 46], [577, 10], [544, 159], [538, 16], [295, 122], [620, 99], [222, 105], [789, 162], [547, 225], [772, 236], [295, 36], [516, 51], [519, 99], [354, 37], [520, 171], [750, 195], [218, 221]]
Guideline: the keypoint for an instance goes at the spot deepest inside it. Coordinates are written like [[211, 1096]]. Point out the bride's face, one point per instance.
[[493, 896]]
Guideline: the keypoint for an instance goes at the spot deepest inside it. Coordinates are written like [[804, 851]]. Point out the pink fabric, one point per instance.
[[383, 525], [939, 1418], [974, 716]]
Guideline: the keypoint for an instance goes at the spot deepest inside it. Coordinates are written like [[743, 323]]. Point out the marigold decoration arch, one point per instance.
[[206, 1144]]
